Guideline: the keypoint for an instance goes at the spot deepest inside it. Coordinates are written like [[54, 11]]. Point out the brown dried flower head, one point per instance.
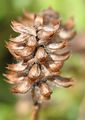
[[40, 50]]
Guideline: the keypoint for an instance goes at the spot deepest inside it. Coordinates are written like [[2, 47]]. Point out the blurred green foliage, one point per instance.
[[67, 101]]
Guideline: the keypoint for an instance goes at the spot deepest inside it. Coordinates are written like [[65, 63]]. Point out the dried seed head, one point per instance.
[[40, 49]]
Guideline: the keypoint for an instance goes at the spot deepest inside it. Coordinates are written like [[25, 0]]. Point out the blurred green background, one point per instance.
[[66, 104]]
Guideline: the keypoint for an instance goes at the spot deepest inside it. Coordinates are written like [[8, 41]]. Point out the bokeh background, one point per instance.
[[66, 104]]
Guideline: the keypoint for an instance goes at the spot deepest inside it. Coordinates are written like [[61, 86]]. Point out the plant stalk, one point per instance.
[[35, 112]]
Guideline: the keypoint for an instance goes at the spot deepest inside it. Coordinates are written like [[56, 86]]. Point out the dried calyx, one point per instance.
[[40, 51]]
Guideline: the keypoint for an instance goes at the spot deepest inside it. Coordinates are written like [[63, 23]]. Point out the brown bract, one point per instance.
[[40, 50]]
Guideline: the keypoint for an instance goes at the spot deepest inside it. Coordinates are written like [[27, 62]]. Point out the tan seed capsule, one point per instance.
[[20, 39], [45, 91], [17, 67], [55, 66], [62, 81], [51, 28], [24, 52], [13, 53], [13, 77], [41, 54], [14, 46], [63, 34], [45, 71], [31, 42], [63, 57], [22, 87], [55, 46], [20, 28], [34, 72], [38, 21], [44, 35]]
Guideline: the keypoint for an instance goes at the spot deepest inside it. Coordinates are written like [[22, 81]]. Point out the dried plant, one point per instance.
[[40, 50]]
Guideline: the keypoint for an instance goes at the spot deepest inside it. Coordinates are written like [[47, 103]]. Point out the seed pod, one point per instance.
[[45, 71], [63, 34], [17, 67], [38, 21], [41, 54], [24, 52], [51, 28], [32, 42], [53, 47], [22, 87], [20, 39], [17, 27], [50, 16], [55, 66], [45, 91], [56, 57], [34, 72], [13, 77], [14, 46], [62, 81], [14, 54], [44, 35]]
